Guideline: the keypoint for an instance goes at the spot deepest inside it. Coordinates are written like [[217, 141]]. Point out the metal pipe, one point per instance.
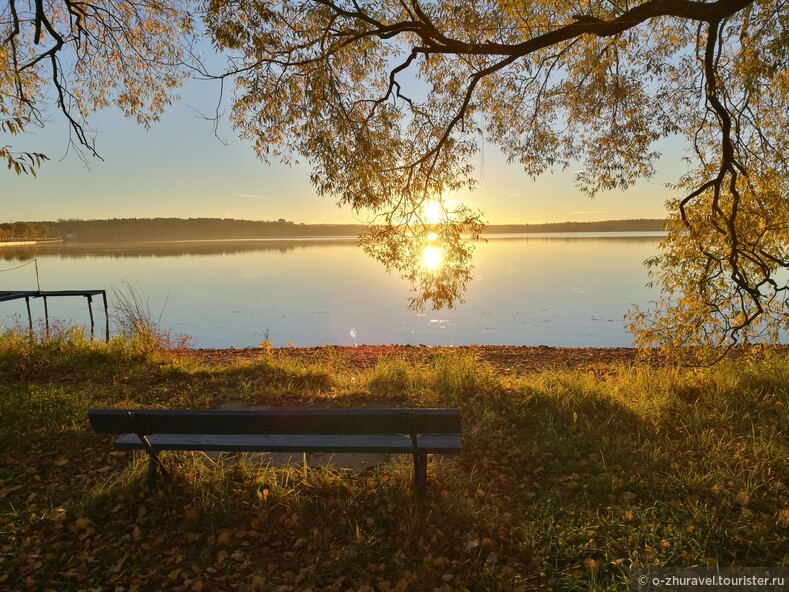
[[106, 315], [29, 315], [46, 315], [90, 311]]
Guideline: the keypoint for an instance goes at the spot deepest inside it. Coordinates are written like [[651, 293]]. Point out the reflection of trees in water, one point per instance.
[[17, 254], [220, 247], [168, 249]]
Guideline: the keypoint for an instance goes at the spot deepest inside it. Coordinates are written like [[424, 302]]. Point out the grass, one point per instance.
[[566, 482]]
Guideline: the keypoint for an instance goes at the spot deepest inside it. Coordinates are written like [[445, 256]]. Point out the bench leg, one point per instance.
[[155, 469], [420, 473], [153, 478]]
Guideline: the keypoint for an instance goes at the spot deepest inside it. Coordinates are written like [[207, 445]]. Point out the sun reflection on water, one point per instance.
[[432, 258]]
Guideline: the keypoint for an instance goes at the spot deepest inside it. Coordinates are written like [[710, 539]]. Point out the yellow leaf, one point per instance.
[[222, 538], [742, 499], [783, 517]]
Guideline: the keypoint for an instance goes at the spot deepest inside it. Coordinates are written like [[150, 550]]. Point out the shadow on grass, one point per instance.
[[566, 481]]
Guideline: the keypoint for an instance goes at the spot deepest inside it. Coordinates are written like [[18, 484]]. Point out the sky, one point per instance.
[[179, 168]]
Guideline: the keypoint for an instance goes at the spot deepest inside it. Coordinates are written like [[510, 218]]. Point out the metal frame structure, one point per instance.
[[89, 294]]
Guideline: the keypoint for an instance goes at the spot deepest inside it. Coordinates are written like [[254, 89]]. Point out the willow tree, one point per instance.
[[80, 56], [390, 101]]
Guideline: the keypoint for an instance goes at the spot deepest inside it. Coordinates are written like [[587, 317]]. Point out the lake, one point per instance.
[[567, 290]]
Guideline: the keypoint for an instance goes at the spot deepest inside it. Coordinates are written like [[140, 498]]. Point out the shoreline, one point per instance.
[[31, 242], [506, 359]]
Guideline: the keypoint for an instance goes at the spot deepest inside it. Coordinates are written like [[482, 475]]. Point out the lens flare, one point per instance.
[[431, 258]]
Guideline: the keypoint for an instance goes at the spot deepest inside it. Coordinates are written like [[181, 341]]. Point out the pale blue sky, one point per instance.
[[179, 169]]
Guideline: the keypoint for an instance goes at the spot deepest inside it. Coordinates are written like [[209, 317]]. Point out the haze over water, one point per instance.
[[567, 290]]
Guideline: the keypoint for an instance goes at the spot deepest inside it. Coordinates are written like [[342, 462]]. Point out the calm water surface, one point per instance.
[[557, 290]]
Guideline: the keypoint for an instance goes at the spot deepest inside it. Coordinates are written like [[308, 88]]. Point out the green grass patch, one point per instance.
[[567, 480]]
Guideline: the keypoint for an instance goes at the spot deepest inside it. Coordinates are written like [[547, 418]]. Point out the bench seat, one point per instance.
[[383, 443]]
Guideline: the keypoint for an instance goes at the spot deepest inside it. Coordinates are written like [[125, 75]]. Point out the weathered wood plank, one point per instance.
[[268, 443], [394, 443], [277, 421]]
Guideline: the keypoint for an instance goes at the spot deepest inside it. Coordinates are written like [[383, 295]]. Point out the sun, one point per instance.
[[432, 258], [433, 212]]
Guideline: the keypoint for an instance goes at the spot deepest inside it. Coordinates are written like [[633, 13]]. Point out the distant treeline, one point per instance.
[[27, 230], [639, 225], [168, 229]]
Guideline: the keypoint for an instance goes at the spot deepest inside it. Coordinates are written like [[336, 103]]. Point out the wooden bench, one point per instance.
[[418, 432]]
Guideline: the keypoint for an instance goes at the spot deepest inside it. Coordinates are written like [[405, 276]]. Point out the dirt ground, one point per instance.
[[504, 359]]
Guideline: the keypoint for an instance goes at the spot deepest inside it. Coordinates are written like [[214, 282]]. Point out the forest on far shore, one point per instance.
[[169, 229], [28, 230]]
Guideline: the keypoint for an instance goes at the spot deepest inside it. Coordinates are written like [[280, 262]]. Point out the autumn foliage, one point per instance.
[[568, 479]]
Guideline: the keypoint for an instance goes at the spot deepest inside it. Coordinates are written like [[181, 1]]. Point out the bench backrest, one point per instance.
[[275, 421]]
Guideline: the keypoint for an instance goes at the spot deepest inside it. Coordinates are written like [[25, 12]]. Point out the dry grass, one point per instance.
[[568, 479]]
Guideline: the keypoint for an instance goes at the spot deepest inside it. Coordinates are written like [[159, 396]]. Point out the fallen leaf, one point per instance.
[[742, 499], [5, 492], [592, 566]]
